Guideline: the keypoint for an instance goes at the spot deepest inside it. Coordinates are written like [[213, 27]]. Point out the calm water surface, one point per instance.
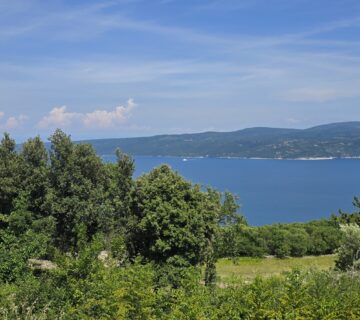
[[272, 190]]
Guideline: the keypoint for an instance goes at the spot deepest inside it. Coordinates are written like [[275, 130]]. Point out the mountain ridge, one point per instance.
[[334, 140]]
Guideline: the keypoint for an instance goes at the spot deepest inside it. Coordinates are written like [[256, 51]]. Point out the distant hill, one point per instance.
[[331, 140]]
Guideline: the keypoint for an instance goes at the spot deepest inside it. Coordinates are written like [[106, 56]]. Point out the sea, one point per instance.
[[271, 191]]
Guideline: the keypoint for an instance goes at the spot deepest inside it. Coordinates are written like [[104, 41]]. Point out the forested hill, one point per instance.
[[331, 140]]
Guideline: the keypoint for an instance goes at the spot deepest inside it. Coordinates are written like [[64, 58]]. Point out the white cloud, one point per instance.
[[12, 122], [60, 117], [15, 122], [105, 119]]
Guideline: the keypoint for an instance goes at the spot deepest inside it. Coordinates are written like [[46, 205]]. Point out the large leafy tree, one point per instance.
[[26, 229], [119, 189], [77, 194], [34, 175], [172, 222], [349, 250], [9, 174]]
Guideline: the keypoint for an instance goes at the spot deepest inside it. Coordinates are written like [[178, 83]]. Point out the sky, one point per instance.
[[129, 68]]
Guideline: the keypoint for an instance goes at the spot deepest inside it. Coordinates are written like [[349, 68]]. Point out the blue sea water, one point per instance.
[[272, 191]]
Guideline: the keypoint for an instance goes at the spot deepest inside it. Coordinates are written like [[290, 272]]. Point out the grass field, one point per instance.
[[249, 268]]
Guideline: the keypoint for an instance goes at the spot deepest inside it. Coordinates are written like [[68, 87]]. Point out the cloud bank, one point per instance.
[[60, 117]]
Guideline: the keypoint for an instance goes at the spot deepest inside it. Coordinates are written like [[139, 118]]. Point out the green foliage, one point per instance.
[[349, 218], [229, 211], [280, 240], [119, 190], [15, 251], [172, 221], [76, 198], [34, 176], [83, 288], [9, 174], [349, 250], [125, 249], [135, 297], [118, 248], [239, 240]]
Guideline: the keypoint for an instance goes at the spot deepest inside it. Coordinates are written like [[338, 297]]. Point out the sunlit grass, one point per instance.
[[249, 268]]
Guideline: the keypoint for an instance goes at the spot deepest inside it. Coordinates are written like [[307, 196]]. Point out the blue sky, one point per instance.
[[142, 67]]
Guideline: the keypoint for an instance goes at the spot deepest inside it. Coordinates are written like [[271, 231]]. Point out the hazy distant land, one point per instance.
[[336, 140]]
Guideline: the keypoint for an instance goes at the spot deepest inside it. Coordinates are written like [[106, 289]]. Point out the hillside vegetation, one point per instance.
[[333, 140], [83, 239]]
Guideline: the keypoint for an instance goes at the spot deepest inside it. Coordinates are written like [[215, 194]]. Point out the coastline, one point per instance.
[[186, 158]]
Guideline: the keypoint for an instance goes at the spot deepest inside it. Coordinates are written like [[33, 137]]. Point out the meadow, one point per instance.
[[248, 268]]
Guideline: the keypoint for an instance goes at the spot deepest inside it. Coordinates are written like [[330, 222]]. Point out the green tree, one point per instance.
[[120, 187], [349, 250], [298, 241], [229, 214], [9, 174], [279, 243], [76, 198], [34, 175], [172, 222], [347, 218]]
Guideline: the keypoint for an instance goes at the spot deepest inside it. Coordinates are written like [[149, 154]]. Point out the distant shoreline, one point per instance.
[[185, 158]]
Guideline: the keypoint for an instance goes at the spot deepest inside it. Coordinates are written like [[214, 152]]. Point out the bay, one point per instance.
[[272, 191]]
